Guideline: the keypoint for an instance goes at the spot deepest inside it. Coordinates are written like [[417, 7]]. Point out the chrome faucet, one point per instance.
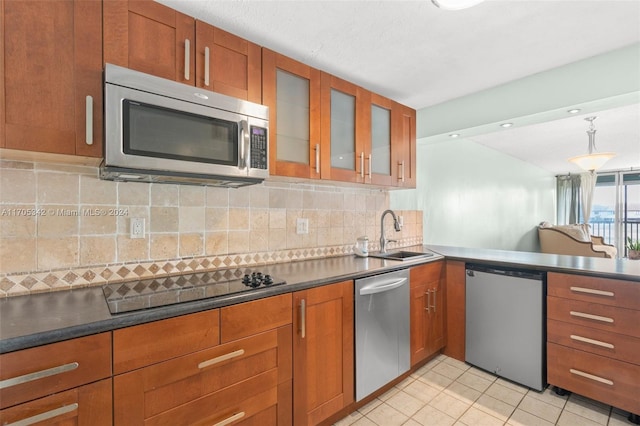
[[396, 226]]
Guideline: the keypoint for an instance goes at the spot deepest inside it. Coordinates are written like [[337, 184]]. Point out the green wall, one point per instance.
[[474, 196]]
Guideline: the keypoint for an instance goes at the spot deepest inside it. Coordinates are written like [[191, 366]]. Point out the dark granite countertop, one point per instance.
[[38, 319], [33, 320]]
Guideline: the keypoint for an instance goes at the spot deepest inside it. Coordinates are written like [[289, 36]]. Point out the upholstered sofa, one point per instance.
[[573, 240]]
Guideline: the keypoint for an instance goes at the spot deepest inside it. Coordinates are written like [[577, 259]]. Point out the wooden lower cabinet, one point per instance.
[[323, 352], [238, 370], [593, 338], [427, 310], [455, 309], [88, 405]]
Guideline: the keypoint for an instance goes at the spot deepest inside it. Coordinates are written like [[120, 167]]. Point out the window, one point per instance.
[[615, 214]]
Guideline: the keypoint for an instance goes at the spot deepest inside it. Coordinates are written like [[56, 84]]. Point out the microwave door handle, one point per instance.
[[244, 143]]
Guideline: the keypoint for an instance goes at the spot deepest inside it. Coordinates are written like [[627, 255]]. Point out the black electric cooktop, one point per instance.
[[154, 292]]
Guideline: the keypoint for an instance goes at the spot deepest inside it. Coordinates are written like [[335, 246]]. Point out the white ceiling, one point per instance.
[[420, 55]]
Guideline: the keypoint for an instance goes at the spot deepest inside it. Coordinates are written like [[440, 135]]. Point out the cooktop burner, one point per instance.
[[153, 292]]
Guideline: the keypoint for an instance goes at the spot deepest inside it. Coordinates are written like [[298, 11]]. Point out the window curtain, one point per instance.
[[568, 193]]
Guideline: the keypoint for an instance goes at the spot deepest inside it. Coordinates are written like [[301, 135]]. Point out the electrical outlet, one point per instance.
[[302, 226], [136, 227]]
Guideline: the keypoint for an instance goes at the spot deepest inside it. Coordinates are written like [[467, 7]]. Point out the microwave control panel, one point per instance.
[[259, 158]]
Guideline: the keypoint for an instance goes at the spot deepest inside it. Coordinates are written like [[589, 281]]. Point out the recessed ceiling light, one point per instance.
[[506, 125], [454, 135], [574, 111], [455, 4]]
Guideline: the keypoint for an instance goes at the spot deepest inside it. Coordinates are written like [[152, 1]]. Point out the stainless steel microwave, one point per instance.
[[161, 131]]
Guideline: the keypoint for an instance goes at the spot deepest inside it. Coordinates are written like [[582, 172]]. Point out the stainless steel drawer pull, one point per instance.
[[591, 341], [591, 316], [231, 419], [187, 59], [88, 111], [14, 381], [434, 301], [45, 416], [212, 361], [303, 318], [591, 376], [317, 158], [592, 291], [206, 66]]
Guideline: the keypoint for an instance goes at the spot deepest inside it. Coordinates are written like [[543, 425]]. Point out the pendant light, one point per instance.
[[455, 4], [592, 161]]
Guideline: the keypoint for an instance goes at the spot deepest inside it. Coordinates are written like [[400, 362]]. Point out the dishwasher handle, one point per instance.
[[382, 286]]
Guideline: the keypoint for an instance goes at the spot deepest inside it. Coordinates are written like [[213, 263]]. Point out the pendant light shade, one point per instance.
[[593, 160], [455, 4]]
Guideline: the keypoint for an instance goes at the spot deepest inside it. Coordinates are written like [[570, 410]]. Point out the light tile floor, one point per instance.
[[448, 392]]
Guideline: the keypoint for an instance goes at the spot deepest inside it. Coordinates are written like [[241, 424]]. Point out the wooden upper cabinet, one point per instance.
[[149, 37], [227, 64], [51, 89], [291, 90], [344, 129], [404, 146], [377, 158]]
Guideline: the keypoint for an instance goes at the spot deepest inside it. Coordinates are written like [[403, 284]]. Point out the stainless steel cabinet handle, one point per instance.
[[187, 53], [303, 318], [593, 291], [88, 120], [434, 300], [370, 156], [592, 341], [362, 165], [14, 381], [206, 66], [45, 416], [231, 419], [590, 316], [402, 171], [317, 158], [216, 360], [591, 376], [428, 294]]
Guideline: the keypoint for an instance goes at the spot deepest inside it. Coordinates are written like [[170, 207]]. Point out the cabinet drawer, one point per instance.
[[607, 380], [161, 389], [624, 294], [88, 405], [427, 273], [613, 345], [249, 318], [33, 373], [594, 315], [147, 344]]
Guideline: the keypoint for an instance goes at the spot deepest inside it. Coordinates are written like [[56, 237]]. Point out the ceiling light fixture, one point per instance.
[[592, 161], [455, 4], [454, 135], [574, 111], [506, 125]]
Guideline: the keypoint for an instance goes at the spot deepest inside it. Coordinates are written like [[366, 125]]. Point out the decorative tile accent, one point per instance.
[[65, 279]]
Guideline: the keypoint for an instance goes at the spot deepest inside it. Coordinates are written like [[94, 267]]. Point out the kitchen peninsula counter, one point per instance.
[[33, 320], [622, 269]]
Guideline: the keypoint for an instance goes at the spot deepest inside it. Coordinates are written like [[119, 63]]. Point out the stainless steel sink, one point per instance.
[[401, 255]]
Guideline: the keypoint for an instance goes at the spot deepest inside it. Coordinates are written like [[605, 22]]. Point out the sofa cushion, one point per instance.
[[610, 250], [578, 231]]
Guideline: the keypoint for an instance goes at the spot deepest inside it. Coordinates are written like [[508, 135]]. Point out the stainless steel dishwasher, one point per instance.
[[505, 323], [382, 330]]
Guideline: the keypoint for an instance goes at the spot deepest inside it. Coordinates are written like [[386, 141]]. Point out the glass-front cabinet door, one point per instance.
[[378, 166], [291, 90], [343, 130]]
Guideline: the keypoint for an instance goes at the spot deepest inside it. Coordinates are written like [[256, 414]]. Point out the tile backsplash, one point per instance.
[[62, 227]]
